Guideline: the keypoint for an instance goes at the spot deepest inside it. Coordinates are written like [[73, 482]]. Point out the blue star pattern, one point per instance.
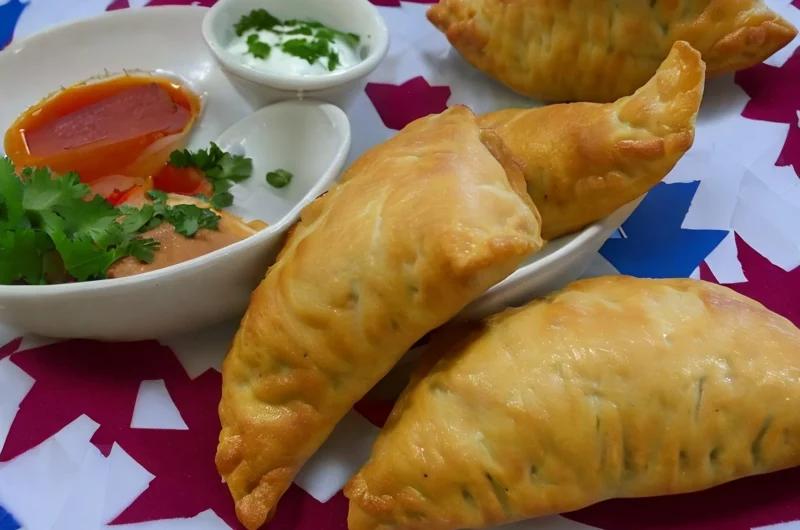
[[9, 15], [6, 521], [653, 244]]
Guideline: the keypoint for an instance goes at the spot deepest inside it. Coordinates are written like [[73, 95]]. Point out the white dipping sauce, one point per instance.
[[278, 61]]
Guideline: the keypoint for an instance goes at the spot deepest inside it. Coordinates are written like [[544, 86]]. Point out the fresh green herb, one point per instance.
[[47, 220], [333, 60], [330, 35], [302, 30], [219, 167], [143, 249], [257, 19], [280, 178], [135, 218], [297, 22], [312, 50], [256, 48], [186, 218]]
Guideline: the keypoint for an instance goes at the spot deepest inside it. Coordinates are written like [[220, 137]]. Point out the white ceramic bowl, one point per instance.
[[308, 138], [339, 88]]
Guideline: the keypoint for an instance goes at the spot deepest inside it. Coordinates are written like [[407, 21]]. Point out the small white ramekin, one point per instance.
[[339, 88]]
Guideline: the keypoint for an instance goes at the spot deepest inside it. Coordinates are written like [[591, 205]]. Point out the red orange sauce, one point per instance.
[[93, 162]]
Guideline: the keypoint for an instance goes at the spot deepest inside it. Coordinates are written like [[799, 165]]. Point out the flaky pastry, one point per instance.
[[601, 50], [416, 229], [583, 161], [613, 387]]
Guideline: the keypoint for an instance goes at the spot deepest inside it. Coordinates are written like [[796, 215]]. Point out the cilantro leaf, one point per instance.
[[142, 249], [311, 51], [43, 192], [309, 23], [21, 256], [333, 61], [256, 48], [95, 220], [231, 167], [158, 196], [257, 19], [188, 219], [219, 167], [11, 190], [180, 158], [82, 258], [280, 178], [221, 200], [302, 30], [329, 34], [135, 218]]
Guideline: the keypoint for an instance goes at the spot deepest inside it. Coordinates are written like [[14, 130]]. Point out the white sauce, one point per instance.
[[281, 62]]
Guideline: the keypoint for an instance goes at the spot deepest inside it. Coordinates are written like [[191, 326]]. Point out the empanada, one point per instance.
[[583, 161], [416, 229], [613, 387], [601, 50]]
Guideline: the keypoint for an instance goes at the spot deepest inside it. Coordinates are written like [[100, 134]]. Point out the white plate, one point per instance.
[[310, 139], [215, 287]]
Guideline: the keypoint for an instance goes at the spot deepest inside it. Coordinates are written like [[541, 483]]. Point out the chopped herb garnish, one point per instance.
[[219, 167], [330, 34], [257, 19], [333, 60], [303, 30], [186, 218], [298, 22], [311, 50], [48, 226], [280, 178], [256, 48]]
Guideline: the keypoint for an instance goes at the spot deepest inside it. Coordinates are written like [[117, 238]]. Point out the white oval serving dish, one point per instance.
[[310, 139], [215, 287]]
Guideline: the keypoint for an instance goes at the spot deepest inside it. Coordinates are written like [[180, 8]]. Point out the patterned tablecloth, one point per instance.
[[96, 434]]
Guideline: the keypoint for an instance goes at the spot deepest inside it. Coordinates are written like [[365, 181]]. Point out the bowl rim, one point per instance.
[[286, 82], [324, 181]]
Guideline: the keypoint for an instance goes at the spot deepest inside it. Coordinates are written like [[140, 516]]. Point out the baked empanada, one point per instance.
[[416, 229], [583, 161], [601, 50], [613, 387]]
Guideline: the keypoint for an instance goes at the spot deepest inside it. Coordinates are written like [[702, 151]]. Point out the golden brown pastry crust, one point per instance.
[[613, 387], [417, 228], [601, 50], [583, 161]]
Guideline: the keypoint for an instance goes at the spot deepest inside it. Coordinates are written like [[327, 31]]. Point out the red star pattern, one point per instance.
[[774, 97], [767, 283], [124, 4], [741, 505], [396, 3], [69, 378], [399, 105]]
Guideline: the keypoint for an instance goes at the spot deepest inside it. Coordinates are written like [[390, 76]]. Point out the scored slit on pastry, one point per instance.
[[612, 387], [601, 50], [417, 228], [583, 161]]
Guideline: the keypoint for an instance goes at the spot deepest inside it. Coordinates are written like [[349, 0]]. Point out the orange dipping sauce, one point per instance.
[[105, 128]]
